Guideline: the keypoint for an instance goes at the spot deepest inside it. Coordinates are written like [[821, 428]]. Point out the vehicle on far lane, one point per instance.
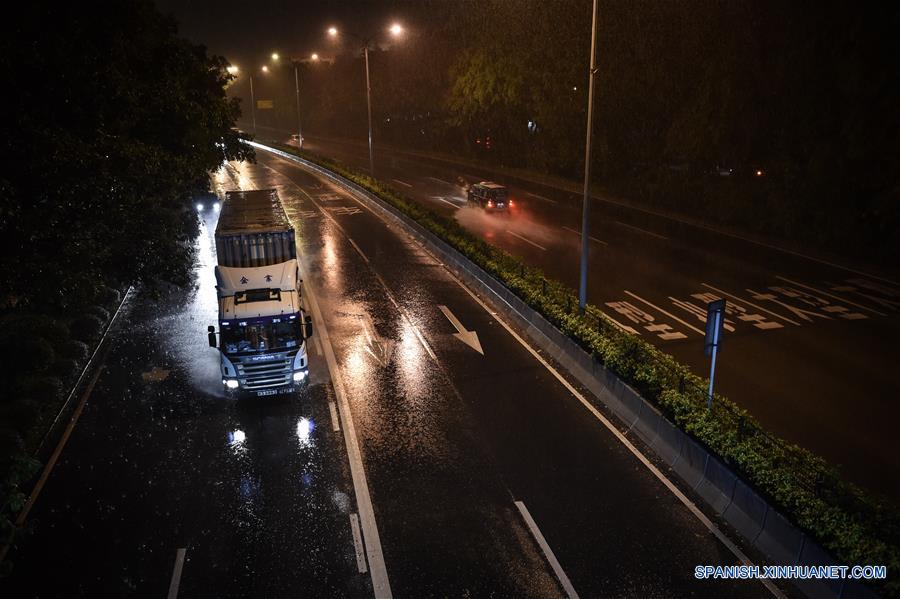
[[491, 196], [296, 140]]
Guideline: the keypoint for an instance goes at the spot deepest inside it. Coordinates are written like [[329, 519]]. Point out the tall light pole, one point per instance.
[[586, 207], [314, 57], [395, 30], [252, 105]]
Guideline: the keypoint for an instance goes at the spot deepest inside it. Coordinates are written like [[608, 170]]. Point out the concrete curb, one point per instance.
[[722, 489]]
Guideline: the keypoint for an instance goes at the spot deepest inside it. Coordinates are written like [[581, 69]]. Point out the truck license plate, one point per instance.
[[266, 392]]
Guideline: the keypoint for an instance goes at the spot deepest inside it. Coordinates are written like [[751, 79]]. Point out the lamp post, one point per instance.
[[295, 62], [586, 207], [395, 30]]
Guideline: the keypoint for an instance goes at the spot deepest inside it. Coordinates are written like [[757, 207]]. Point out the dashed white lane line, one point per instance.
[[445, 201], [846, 301], [548, 553], [353, 243], [404, 183], [540, 197], [358, 544], [646, 232], [589, 237], [669, 314], [526, 240], [440, 181], [743, 301], [175, 581], [335, 422]]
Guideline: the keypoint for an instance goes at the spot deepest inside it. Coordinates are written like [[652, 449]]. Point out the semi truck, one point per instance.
[[263, 328]]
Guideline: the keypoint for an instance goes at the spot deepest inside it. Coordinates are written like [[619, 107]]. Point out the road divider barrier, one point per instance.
[[755, 482]]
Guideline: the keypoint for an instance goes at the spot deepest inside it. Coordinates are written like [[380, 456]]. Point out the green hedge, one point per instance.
[[854, 527]]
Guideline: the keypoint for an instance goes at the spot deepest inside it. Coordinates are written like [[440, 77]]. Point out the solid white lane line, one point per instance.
[[317, 346], [335, 422], [526, 240], [440, 181], [743, 301], [353, 243], [175, 582], [401, 182], [378, 570], [548, 553], [670, 315], [846, 301], [358, 544], [589, 237], [540, 197], [641, 230]]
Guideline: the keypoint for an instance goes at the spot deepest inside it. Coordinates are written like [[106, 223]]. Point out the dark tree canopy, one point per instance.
[[113, 120]]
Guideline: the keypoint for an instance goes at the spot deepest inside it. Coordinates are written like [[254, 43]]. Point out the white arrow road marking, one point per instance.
[[470, 338]]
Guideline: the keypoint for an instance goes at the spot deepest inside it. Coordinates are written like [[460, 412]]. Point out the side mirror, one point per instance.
[[212, 336], [307, 327]]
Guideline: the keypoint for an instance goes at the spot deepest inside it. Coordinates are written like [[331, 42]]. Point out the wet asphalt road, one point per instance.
[[260, 496], [810, 347]]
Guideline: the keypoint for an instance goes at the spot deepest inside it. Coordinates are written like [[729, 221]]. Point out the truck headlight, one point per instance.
[[231, 383], [299, 375]]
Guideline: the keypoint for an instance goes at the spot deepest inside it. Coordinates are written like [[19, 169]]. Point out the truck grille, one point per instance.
[[262, 375]]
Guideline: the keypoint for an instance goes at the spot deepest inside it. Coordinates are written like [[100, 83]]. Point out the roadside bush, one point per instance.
[[24, 325], [851, 525], [87, 327], [26, 354], [21, 414], [41, 389], [109, 297], [64, 367], [72, 349], [98, 311]]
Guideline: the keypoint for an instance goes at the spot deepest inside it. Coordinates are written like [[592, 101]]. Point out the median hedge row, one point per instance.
[[854, 527]]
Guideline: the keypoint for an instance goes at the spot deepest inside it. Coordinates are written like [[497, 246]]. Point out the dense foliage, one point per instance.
[[693, 98], [855, 528], [112, 121]]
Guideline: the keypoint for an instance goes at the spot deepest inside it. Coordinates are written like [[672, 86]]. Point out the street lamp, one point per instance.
[[275, 56], [395, 30], [313, 58], [586, 206]]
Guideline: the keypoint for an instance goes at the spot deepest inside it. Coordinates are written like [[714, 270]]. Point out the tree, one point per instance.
[[118, 121]]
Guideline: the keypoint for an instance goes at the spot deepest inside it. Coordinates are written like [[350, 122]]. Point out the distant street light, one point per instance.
[[313, 58], [586, 208], [265, 69], [232, 70], [275, 56], [396, 30]]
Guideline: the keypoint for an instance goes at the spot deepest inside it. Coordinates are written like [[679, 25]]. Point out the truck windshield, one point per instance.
[[261, 337]]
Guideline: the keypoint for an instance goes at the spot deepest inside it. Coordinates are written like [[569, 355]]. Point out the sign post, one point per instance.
[[715, 324]]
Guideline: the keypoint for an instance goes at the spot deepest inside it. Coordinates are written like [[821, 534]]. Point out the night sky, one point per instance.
[[246, 32]]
